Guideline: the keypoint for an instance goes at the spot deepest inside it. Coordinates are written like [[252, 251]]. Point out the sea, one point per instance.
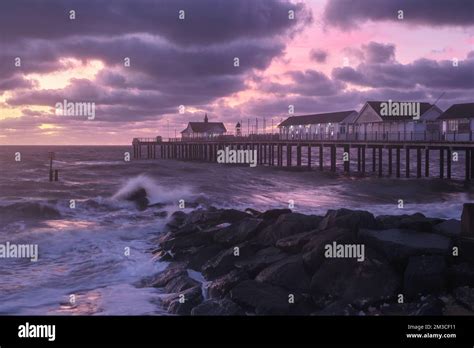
[[95, 246]]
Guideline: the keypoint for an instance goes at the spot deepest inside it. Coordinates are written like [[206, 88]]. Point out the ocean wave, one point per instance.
[[28, 211]]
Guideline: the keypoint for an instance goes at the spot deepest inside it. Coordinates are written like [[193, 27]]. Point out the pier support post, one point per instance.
[[359, 150], [448, 163], [407, 162], [363, 159], [472, 162], [418, 162], [298, 155], [427, 162], [309, 156], [390, 160], [347, 163], [373, 159], [398, 162], [321, 158], [380, 162], [468, 164], [288, 155], [441, 163], [333, 158]]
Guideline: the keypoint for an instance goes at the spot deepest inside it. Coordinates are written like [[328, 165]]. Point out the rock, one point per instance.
[[163, 278], [238, 232], [222, 307], [225, 261], [181, 283], [449, 228], [288, 273], [261, 259], [274, 214], [337, 308], [350, 281], [430, 306], [287, 225], [313, 251], [262, 298], [465, 296], [212, 217], [294, 244], [161, 214], [222, 285], [180, 241], [177, 219], [398, 244], [466, 249], [467, 220], [254, 213], [351, 219], [199, 256], [192, 297], [139, 197], [424, 275], [417, 222], [460, 275]]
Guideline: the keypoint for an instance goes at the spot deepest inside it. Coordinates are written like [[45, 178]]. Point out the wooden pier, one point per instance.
[[270, 152]]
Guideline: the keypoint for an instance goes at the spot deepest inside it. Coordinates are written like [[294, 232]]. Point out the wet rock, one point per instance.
[[214, 217], [287, 225], [429, 306], [294, 244], [225, 261], [177, 219], [465, 296], [166, 276], [449, 228], [254, 213], [262, 298], [354, 282], [466, 249], [425, 275], [337, 308], [238, 232], [222, 285], [139, 197], [261, 259], [288, 273], [398, 244], [460, 275], [274, 214], [313, 251], [417, 222], [199, 256], [182, 303], [181, 283], [176, 242], [222, 307], [467, 220], [351, 219]]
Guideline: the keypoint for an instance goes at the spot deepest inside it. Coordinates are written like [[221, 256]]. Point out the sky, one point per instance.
[[150, 66]]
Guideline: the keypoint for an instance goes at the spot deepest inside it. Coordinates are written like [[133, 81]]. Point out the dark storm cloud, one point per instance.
[[206, 21], [16, 82], [348, 14], [375, 52], [318, 55], [422, 72]]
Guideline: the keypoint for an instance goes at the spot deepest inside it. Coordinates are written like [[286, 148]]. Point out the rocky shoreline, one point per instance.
[[276, 263]]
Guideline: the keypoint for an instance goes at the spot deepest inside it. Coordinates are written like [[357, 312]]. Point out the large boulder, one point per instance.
[[288, 273], [222, 285], [261, 259], [287, 225], [465, 296], [424, 274], [353, 282], [274, 214], [197, 257], [222, 307], [449, 228], [238, 232], [460, 275], [182, 303], [261, 298], [313, 251], [398, 244], [225, 261], [352, 219], [139, 197], [181, 283], [417, 222], [467, 220], [176, 220], [212, 217], [163, 278], [294, 244]]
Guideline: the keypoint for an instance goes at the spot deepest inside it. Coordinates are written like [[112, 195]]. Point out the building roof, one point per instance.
[[424, 107], [330, 117], [458, 111], [203, 127]]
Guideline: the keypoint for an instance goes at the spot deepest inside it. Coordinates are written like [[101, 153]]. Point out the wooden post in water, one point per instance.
[[427, 162], [51, 157], [407, 162], [288, 155], [373, 159], [347, 164], [448, 163], [441, 163], [56, 175], [333, 158], [309, 156], [398, 162], [390, 160], [363, 159], [380, 161], [418, 162], [298, 155], [472, 162], [321, 158], [359, 150], [468, 164]]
